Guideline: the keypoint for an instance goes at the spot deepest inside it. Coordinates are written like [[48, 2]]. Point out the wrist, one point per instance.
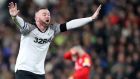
[[91, 18], [13, 17]]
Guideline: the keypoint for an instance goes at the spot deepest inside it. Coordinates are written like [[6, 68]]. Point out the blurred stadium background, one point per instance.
[[113, 40]]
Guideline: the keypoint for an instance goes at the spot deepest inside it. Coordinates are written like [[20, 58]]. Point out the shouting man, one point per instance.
[[35, 40]]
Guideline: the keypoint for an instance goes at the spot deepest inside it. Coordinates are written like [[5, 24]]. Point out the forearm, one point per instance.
[[77, 23], [18, 21], [24, 27]]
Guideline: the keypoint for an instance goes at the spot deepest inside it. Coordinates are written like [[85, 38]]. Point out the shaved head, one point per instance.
[[43, 16], [40, 11]]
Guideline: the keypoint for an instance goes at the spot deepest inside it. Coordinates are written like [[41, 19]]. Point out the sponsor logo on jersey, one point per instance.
[[42, 41]]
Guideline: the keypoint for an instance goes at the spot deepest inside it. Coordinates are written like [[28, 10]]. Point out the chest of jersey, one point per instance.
[[82, 61], [40, 38], [79, 64]]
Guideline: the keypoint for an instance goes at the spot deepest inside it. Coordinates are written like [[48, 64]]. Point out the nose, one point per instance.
[[47, 16]]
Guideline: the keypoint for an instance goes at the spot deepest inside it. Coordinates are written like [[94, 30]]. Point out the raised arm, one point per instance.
[[21, 24], [79, 22]]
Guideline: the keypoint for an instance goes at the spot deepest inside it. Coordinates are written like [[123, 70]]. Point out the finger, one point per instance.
[[12, 5], [9, 4], [99, 7], [18, 11], [9, 7], [16, 5]]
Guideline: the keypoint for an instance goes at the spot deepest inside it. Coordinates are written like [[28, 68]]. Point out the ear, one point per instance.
[[36, 19], [36, 16]]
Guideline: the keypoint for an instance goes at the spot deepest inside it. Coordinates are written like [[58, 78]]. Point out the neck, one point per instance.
[[41, 26]]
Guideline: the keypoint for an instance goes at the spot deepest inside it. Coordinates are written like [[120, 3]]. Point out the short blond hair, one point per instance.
[[37, 13]]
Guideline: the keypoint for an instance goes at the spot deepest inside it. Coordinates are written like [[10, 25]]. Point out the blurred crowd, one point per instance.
[[113, 40]]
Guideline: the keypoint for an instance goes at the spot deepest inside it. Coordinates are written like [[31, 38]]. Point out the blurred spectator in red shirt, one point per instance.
[[82, 62]]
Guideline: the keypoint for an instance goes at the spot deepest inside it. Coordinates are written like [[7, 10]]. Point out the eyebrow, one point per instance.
[[44, 13]]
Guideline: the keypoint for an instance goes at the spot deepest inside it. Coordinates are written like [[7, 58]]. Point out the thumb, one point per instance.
[[18, 11]]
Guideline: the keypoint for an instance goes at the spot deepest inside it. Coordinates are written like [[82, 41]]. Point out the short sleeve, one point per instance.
[[24, 27], [56, 28], [27, 28]]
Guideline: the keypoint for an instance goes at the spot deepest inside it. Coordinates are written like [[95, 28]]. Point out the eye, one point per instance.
[[48, 14], [44, 14]]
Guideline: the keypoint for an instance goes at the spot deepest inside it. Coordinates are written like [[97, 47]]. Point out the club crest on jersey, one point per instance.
[[42, 41]]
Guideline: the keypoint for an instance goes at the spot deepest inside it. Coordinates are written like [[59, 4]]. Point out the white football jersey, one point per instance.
[[34, 45]]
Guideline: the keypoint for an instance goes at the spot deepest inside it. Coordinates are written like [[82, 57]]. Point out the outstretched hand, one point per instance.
[[95, 15], [13, 9]]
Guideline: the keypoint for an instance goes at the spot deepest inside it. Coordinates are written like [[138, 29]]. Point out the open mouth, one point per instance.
[[47, 20]]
